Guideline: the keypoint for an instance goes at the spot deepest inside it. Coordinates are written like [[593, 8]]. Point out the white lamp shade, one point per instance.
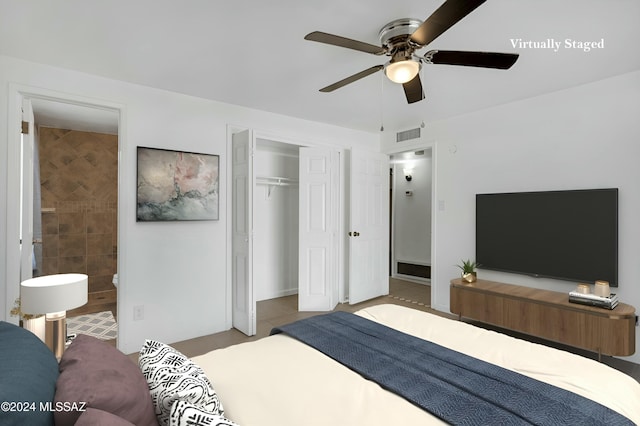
[[402, 71], [53, 293]]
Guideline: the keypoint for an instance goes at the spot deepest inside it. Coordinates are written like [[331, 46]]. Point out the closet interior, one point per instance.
[[275, 219]]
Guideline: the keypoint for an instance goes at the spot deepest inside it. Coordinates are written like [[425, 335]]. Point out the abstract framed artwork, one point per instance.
[[176, 185]]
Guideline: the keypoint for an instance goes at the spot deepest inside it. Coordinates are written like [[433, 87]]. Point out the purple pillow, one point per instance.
[[98, 374]]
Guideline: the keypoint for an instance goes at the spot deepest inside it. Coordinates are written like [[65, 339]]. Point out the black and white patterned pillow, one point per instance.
[[184, 413], [172, 376]]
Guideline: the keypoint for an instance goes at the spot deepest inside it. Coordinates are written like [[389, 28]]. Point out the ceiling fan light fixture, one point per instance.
[[402, 71]]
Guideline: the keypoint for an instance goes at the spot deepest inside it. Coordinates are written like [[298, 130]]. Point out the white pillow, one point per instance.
[[186, 414], [171, 376]]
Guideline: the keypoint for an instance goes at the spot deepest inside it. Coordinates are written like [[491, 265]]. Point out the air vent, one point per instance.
[[408, 135]]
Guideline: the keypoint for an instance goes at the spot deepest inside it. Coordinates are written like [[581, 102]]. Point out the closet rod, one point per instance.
[[273, 181]]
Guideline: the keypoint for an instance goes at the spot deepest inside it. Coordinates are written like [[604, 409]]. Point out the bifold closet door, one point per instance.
[[243, 299], [318, 224]]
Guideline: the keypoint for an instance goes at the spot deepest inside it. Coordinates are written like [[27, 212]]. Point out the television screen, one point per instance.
[[568, 235]]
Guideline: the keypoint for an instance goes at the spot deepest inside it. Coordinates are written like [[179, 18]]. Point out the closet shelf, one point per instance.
[[273, 181]]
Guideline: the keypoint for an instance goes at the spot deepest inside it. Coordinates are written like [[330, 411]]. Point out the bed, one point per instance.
[[278, 380]]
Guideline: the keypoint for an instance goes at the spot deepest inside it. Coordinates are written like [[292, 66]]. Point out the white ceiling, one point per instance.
[[252, 53]]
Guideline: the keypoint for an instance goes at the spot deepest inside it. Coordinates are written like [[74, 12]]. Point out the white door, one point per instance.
[[318, 222], [369, 226], [26, 192], [243, 300]]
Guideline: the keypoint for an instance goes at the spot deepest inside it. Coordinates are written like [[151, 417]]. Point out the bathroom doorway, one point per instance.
[[75, 208]]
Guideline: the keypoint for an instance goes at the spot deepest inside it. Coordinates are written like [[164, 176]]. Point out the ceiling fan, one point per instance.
[[401, 39]]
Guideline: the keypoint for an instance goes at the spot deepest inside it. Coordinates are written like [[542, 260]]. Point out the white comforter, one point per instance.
[[280, 381]]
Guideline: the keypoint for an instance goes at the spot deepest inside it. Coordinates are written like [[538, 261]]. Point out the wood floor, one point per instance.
[[275, 312]]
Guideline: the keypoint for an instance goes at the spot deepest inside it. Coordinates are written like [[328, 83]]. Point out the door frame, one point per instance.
[[435, 202], [295, 141], [17, 92]]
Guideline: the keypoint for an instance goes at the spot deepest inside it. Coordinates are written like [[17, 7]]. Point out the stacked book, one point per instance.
[[589, 299]]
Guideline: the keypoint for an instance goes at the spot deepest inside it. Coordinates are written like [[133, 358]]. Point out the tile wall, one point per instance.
[[79, 184]]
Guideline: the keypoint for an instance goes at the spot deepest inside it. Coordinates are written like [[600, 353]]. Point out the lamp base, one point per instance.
[[56, 332]]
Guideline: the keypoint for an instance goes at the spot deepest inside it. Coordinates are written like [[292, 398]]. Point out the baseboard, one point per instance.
[[280, 293]]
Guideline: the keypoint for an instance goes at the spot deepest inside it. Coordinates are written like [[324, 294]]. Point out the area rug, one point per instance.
[[101, 325]]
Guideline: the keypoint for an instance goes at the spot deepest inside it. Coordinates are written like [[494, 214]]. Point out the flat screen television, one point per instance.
[[567, 235]]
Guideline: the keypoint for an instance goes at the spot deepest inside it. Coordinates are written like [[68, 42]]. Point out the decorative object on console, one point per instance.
[[177, 185], [608, 302], [53, 295], [468, 268], [583, 289], [601, 297], [602, 288]]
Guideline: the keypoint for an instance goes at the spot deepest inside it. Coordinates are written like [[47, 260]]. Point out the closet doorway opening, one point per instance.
[[411, 176], [275, 221], [284, 225]]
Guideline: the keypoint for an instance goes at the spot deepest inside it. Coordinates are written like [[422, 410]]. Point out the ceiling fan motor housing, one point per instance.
[[395, 36]]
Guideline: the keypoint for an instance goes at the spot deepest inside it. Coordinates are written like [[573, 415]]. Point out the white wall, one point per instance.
[[177, 271], [583, 137], [275, 242], [412, 214]]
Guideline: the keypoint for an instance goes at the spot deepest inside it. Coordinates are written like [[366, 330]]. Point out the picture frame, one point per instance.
[[176, 185]]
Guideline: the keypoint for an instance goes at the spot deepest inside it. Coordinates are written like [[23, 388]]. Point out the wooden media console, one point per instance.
[[546, 314]]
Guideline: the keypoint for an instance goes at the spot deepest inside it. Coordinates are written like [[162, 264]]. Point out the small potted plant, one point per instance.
[[468, 268]]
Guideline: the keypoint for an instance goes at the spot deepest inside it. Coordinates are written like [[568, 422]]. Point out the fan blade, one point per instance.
[[344, 42], [442, 19], [413, 90], [502, 61], [351, 79]]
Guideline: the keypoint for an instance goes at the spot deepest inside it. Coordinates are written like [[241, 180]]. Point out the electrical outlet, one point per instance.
[[138, 312]]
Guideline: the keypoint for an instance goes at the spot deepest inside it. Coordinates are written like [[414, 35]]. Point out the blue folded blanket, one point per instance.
[[455, 387]]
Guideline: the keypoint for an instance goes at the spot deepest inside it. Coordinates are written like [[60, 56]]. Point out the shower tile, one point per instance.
[[100, 265], [50, 245], [49, 223], [71, 223], [99, 244], [73, 264], [99, 223], [49, 265], [72, 245]]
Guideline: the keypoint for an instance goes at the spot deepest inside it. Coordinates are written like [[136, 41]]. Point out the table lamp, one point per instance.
[[53, 295]]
